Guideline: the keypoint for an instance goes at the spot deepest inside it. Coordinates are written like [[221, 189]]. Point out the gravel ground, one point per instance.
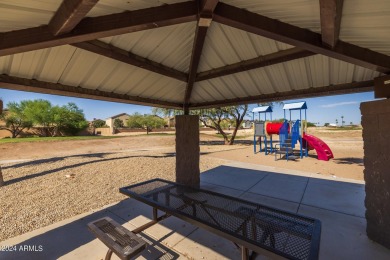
[[38, 193]]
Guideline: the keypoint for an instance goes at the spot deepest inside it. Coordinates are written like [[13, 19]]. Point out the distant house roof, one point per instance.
[[295, 106], [119, 115], [262, 109]]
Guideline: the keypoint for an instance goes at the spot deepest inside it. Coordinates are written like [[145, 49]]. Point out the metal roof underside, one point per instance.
[[166, 56]]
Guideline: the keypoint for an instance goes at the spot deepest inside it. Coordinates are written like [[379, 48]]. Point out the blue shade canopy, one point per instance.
[[295, 106], [262, 109]]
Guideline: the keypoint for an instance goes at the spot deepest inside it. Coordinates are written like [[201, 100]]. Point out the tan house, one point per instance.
[[123, 117]]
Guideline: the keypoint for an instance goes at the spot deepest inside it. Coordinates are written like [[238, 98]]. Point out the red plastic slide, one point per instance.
[[323, 151]]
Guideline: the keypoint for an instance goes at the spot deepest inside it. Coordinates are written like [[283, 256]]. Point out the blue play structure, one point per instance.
[[289, 139], [260, 129], [290, 133]]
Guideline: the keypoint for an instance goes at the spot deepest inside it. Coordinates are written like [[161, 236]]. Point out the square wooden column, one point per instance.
[[376, 137], [187, 150]]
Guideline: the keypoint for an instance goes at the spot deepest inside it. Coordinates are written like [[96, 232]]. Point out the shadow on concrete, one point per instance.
[[63, 241]]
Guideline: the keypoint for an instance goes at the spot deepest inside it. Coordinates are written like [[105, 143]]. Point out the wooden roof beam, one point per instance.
[[69, 14], [302, 38], [331, 12], [92, 28], [348, 88], [204, 21], [32, 85], [118, 54], [255, 63]]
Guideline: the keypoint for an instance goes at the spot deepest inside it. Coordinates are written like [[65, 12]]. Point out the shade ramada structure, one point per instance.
[[207, 53], [192, 54]]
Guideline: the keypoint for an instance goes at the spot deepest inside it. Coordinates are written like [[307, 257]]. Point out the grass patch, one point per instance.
[[51, 139]]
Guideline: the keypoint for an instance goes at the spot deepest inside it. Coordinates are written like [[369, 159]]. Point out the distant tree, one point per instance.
[[118, 123], [310, 124], [151, 121], [147, 122], [135, 121], [15, 119], [342, 121], [166, 112], [98, 123], [326, 124], [337, 121], [351, 123], [215, 117], [68, 119], [39, 111]]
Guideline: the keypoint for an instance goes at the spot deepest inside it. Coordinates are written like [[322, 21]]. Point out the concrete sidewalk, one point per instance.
[[338, 204]]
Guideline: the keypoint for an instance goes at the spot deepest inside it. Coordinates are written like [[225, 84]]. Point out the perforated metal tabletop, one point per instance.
[[253, 226]]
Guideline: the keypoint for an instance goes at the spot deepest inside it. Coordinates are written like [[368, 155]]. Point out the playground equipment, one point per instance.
[[297, 133], [288, 140], [260, 129], [290, 132], [263, 129], [324, 153]]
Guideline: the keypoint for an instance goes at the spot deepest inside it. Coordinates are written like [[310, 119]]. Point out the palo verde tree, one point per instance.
[[118, 123], [49, 120], [15, 119], [97, 123], [144, 122], [39, 112], [216, 118], [68, 119]]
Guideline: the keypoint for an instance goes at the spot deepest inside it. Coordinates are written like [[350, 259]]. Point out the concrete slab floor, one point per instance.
[[337, 204]]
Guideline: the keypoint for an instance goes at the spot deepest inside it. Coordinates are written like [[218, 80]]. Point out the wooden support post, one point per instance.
[[187, 150]]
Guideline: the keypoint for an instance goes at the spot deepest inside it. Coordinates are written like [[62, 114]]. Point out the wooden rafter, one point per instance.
[[262, 61], [302, 38], [348, 88], [31, 85], [115, 53], [70, 13], [331, 12], [205, 16], [99, 27]]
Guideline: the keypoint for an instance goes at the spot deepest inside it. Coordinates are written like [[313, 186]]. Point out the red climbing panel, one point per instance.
[[323, 151]]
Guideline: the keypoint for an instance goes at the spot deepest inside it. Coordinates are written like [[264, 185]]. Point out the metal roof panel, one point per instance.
[[21, 14], [301, 13], [366, 24], [170, 45], [226, 45]]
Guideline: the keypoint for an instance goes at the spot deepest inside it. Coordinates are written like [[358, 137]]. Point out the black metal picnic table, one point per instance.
[[253, 226]]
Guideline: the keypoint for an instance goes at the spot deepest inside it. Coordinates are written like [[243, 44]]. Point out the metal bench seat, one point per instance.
[[124, 243]]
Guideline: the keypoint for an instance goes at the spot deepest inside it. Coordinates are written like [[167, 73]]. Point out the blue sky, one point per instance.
[[320, 110]]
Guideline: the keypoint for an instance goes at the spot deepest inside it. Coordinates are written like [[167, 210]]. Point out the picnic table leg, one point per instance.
[[108, 255], [244, 253], [155, 214]]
